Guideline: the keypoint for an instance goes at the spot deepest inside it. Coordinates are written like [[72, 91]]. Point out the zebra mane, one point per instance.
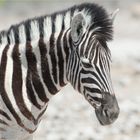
[[98, 19]]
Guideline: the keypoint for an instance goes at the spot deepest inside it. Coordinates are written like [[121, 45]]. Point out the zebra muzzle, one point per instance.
[[109, 110]]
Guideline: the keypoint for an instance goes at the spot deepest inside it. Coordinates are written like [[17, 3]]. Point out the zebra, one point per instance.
[[39, 56]]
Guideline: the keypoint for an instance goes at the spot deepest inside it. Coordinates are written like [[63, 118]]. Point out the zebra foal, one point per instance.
[[41, 55]]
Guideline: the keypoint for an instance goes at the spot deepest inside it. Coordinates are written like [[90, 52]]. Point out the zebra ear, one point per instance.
[[77, 27], [113, 15]]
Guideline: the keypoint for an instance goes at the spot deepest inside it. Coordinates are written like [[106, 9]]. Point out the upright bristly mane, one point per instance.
[[95, 15]]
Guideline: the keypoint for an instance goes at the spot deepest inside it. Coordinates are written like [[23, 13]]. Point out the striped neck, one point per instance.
[[48, 38]]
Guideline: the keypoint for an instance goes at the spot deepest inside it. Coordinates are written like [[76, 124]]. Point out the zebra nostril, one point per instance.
[[113, 115], [110, 114]]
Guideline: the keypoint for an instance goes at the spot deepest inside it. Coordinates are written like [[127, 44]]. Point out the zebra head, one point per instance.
[[90, 60]]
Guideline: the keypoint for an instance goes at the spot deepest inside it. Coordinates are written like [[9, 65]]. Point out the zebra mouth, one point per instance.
[[95, 101], [103, 117]]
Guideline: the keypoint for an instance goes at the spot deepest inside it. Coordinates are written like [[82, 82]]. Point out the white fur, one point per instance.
[[8, 81], [12, 38], [93, 77], [24, 67], [58, 26], [5, 109], [67, 20], [4, 39], [47, 28], [22, 35], [64, 57], [8, 77], [34, 30], [2, 46], [47, 35], [87, 17], [36, 52]]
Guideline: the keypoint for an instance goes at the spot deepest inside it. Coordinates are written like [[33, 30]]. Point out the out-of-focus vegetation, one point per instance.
[[2, 2]]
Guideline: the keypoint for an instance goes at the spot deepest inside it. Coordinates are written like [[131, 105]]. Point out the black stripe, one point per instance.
[[90, 81], [105, 75], [15, 29], [27, 30], [17, 84], [95, 75], [96, 53], [93, 90], [33, 74], [52, 50], [30, 92], [3, 122], [90, 41], [5, 114], [74, 69], [72, 12], [60, 59], [53, 58], [65, 44], [76, 73], [79, 82], [16, 34], [53, 20], [90, 47], [0, 38], [94, 50], [63, 22], [3, 92], [97, 69], [41, 113], [41, 26], [71, 65], [45, 68], [83, 45], [68, 65], [94, 98], [8, 38]]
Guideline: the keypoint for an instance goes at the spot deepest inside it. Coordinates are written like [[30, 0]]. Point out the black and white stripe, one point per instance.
[[38, 57]]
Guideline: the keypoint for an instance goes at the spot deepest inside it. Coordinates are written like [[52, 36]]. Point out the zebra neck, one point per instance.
[[57, 33], [54, 47], [45, 43]]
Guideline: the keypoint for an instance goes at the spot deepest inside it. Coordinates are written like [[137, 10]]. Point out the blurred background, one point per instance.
[[69, 116]]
